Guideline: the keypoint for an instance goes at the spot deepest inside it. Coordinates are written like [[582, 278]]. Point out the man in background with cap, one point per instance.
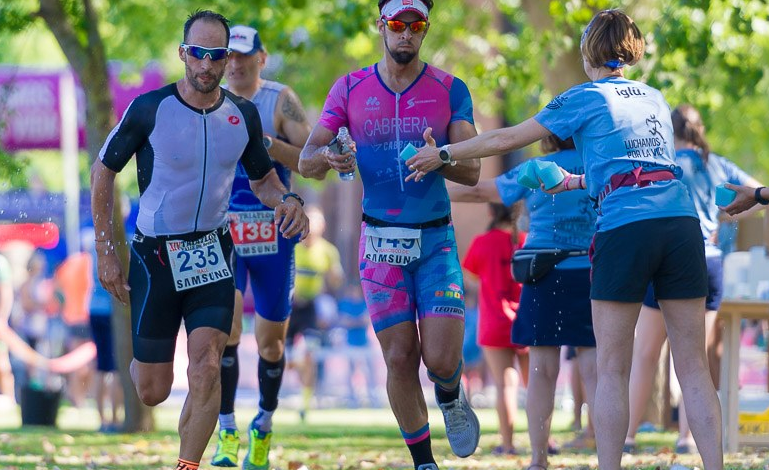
[[260, 254], [409, 268]]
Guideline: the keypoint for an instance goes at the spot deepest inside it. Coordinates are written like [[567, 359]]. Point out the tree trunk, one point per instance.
[[138, 417], [565, 70], [89, 61]]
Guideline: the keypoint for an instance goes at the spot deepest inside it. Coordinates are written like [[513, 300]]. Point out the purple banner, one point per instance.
[[29, 104]]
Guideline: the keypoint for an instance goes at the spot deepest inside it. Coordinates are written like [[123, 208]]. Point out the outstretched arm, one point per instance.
[[484, 191], [746, 198], [490, 143], [464, 172]]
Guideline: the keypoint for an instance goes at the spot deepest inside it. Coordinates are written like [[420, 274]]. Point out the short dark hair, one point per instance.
[[206, 15], [428, 4]]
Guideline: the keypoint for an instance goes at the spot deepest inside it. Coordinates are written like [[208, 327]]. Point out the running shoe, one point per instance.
[[258, 455], [462, 427], [227, 449], [427, 466]]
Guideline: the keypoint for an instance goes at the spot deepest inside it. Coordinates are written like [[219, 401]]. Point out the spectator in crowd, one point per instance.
[[318, 270], [475, 367], [488, 258], [73, 278], [354, 318], [546, 321], [108, 391]]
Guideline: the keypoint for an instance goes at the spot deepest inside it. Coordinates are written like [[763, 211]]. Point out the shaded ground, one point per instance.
[[331, 439]]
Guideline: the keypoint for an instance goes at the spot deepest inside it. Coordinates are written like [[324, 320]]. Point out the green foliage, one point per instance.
[[711, 53]]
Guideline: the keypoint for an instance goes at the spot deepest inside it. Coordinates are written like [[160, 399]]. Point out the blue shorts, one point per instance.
[[715, 286], [272, 279], [555, 311], [431, 286]]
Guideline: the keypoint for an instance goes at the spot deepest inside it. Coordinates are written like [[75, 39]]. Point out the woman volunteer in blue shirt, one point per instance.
[[546, 321], [647, 228], [702, 170]]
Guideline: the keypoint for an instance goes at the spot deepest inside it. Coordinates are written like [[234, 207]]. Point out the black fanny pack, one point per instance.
[[530, 265]]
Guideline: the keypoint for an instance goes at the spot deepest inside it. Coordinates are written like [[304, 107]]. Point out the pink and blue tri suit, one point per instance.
[[382, 123]]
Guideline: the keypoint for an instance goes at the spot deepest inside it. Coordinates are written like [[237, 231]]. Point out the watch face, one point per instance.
[[444, 156]]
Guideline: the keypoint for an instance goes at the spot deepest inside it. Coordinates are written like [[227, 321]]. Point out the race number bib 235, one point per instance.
[[393, 245], [254, 233], [198, 262]]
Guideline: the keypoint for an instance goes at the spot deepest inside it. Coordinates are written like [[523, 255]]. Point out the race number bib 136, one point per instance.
[[198, 262], [393, 245], [254, 233]]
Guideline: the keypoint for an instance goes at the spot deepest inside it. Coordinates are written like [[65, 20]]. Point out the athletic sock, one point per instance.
[[446, 396], [230, 373], [263, 420], [419, 445], [187, 465], [270, 376], [227, 422]]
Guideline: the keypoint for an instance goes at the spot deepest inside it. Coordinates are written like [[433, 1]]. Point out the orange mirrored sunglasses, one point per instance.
[[397, 26]]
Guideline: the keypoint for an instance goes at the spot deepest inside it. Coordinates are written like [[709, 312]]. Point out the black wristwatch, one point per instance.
[[445, 156], [293, 195], [758, 197], [267, 141]]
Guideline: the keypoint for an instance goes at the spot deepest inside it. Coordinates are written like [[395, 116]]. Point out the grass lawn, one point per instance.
[[331, 439]]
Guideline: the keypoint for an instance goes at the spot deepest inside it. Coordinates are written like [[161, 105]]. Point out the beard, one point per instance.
[[201, 87], [400, 57]]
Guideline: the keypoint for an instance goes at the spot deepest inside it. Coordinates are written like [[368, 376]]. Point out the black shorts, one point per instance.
[[157, 308], [303, 321], [101, 329], [668, 252]]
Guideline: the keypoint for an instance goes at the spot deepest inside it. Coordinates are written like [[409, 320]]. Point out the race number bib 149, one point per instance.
[[254, 233], [198, 262], [393, 245]]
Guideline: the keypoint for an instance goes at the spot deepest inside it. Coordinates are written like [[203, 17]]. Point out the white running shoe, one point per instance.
[[462, 427]]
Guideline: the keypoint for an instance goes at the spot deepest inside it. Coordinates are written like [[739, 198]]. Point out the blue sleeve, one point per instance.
[[734, 174], [508, 188], [461, 102], [565, 114]]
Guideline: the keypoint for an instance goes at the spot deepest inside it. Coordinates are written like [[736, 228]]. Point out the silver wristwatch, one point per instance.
[[445, 155]]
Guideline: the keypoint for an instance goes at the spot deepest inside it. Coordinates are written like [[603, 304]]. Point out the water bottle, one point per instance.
[[343, 140]]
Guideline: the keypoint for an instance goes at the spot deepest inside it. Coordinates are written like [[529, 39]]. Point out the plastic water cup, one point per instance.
[[550, 174], [408, 152], [724, 195], [527, 175]]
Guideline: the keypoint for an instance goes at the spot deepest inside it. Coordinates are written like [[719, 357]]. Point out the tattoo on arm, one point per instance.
[[292, 109]]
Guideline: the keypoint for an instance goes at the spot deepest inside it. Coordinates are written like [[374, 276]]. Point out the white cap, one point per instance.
[[245, 40], [394, 8]]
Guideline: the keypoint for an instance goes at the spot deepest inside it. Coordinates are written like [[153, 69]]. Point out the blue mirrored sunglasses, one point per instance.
[[200, 53]]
